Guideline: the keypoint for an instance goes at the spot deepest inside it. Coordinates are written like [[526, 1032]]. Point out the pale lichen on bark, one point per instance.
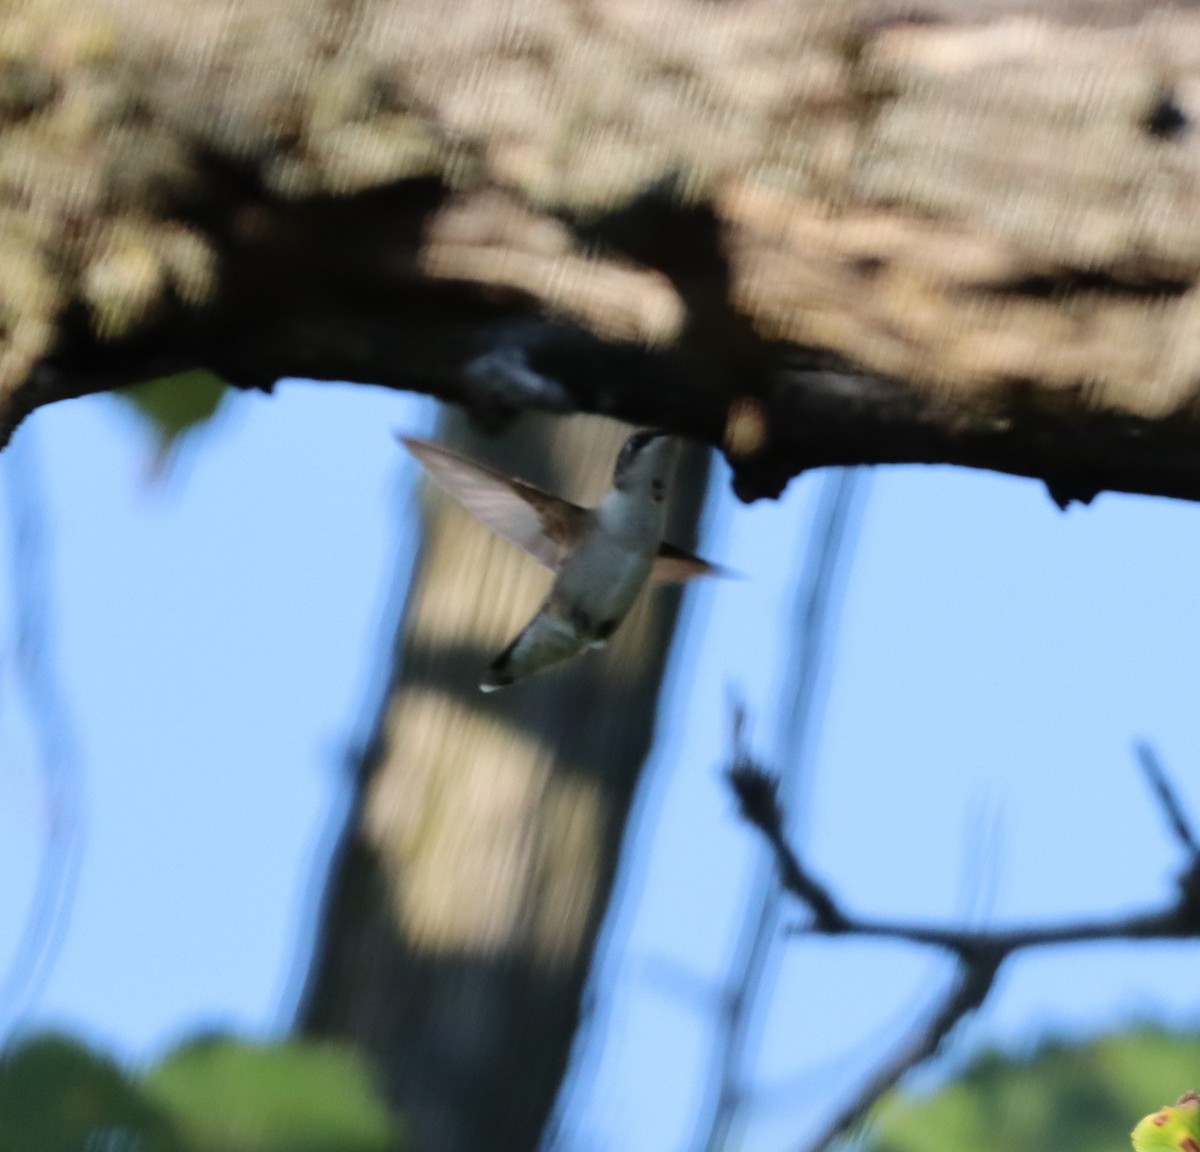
[[984, 212]]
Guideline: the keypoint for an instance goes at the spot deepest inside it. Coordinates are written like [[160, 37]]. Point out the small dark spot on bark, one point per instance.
[[1165, 119], [1067, 282], [25, 86], [868, 267]]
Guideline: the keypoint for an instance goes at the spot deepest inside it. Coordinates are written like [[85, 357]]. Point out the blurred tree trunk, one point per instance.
[[473, 877]]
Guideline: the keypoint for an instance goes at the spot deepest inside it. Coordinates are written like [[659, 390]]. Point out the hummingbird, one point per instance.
[[601, 556]]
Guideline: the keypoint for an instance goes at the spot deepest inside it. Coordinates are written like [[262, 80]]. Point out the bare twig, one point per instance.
[[1161, 786], [58, 761], [980, 954], [758, 797], [828, 550], [968, 993]]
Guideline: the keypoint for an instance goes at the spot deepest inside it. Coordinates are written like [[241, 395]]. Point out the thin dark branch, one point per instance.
[[968, 992], [1165, 795], [980, 954], [58, 760], [828, 550], [755, 790], [1165, 923], [758, 799]]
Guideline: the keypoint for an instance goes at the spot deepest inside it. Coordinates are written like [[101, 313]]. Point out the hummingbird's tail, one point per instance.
[[499, 673]]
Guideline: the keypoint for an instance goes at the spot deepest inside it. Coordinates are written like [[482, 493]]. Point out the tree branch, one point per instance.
[[810, 235], [971, 987], [979, 954], [1165, 794]]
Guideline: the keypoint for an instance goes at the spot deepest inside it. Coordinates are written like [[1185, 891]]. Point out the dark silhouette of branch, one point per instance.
[[968, 993], [980, 954], [58, 760], [828, 551], [1161, 786]]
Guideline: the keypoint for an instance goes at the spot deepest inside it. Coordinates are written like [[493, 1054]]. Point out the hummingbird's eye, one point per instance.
[[639, 440], [634, 445]]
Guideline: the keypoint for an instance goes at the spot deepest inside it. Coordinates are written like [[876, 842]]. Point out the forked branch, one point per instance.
[[980, 954]]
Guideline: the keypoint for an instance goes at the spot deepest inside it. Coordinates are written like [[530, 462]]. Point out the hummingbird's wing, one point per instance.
[[543, 525]]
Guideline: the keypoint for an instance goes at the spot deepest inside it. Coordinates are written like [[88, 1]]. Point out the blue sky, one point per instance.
[[218, 641]]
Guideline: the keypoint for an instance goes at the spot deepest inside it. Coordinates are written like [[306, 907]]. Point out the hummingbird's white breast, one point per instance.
[[602, 578]]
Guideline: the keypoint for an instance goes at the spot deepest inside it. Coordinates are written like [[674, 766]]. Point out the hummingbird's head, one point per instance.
[[646, 462]]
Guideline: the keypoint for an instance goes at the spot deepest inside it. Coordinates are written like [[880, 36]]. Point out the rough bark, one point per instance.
[[465, 902], [810, 232]]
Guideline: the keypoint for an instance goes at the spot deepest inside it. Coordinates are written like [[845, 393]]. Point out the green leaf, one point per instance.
[[56, 1096], [1063, 1098], [228, 1096], [1175, 1127], [173, 405]]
